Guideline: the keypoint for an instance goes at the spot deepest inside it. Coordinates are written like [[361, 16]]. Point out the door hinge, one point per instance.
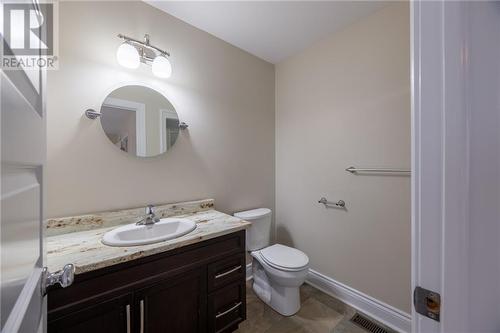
[[427, 303], [64, 277]]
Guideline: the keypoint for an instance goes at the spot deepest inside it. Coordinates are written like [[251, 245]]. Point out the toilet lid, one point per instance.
[[284, 256], [253, 214]]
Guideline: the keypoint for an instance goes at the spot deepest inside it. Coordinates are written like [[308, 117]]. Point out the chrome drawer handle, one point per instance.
[[218, 276], [220, 314], [128, 317], [141, 306]]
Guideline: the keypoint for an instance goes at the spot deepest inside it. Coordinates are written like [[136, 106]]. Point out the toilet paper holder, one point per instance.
[[324, 201]]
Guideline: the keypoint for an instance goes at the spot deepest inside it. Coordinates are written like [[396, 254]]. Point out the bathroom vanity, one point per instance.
[[195, 283]]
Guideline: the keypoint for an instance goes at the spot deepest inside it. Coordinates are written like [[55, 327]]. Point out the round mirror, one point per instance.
[[139, 121]]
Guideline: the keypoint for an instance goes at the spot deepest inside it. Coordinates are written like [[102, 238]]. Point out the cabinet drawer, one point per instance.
[[111, 316], [226, 308], [226, 271]]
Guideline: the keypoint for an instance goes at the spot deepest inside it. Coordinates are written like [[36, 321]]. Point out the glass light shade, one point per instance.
[[128, 56], [161, 67]]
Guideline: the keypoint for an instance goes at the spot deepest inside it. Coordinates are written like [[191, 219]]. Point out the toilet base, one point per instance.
[[283, 299]]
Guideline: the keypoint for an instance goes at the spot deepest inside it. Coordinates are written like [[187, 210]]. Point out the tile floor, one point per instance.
[[319, 313]]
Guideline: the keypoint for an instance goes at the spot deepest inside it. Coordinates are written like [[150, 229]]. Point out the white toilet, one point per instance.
[[278, 270]]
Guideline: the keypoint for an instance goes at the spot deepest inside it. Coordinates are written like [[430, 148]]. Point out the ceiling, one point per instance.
[[271, 30]]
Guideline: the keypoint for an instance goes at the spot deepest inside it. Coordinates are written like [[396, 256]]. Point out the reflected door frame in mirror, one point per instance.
[[140, 119], [165, 114]]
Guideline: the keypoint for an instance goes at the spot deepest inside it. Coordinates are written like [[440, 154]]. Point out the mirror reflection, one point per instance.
[[139, 121]]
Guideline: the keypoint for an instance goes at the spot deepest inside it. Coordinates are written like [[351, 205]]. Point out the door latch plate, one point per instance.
[[427, 303]]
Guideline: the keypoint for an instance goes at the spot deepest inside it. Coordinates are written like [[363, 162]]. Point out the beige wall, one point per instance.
[[224, 94], [346, 101]]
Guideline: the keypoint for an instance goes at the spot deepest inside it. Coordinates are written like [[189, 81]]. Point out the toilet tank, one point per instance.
[[258, 235]]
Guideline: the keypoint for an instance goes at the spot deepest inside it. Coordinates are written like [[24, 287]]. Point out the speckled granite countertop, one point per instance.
[[85, 250]]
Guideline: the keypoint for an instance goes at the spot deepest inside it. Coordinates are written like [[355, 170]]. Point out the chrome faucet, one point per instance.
[[150, 217]]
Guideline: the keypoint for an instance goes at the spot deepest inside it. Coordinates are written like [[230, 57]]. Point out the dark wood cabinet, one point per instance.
[[196, 288]]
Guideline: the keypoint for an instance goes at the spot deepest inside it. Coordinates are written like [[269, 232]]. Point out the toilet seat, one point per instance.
[[284, 258]]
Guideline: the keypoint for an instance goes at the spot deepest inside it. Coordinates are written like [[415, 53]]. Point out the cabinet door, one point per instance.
[[112, 316], [176, 304]]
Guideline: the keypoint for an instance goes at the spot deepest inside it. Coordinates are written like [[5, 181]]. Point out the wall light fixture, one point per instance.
[[132, 52]]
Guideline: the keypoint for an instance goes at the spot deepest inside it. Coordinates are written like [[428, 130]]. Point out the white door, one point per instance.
[[22, 167], [456, 163]]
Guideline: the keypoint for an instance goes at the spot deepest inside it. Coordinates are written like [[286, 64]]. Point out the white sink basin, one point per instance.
[[132, 234]]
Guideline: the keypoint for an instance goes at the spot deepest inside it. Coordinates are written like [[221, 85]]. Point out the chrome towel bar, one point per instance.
[[381, 170]]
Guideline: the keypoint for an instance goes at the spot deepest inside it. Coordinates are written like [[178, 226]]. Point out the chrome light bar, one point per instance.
[[147, 50]]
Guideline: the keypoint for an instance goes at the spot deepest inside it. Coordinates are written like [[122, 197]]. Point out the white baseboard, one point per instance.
[[249, 271], [384, 313]]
